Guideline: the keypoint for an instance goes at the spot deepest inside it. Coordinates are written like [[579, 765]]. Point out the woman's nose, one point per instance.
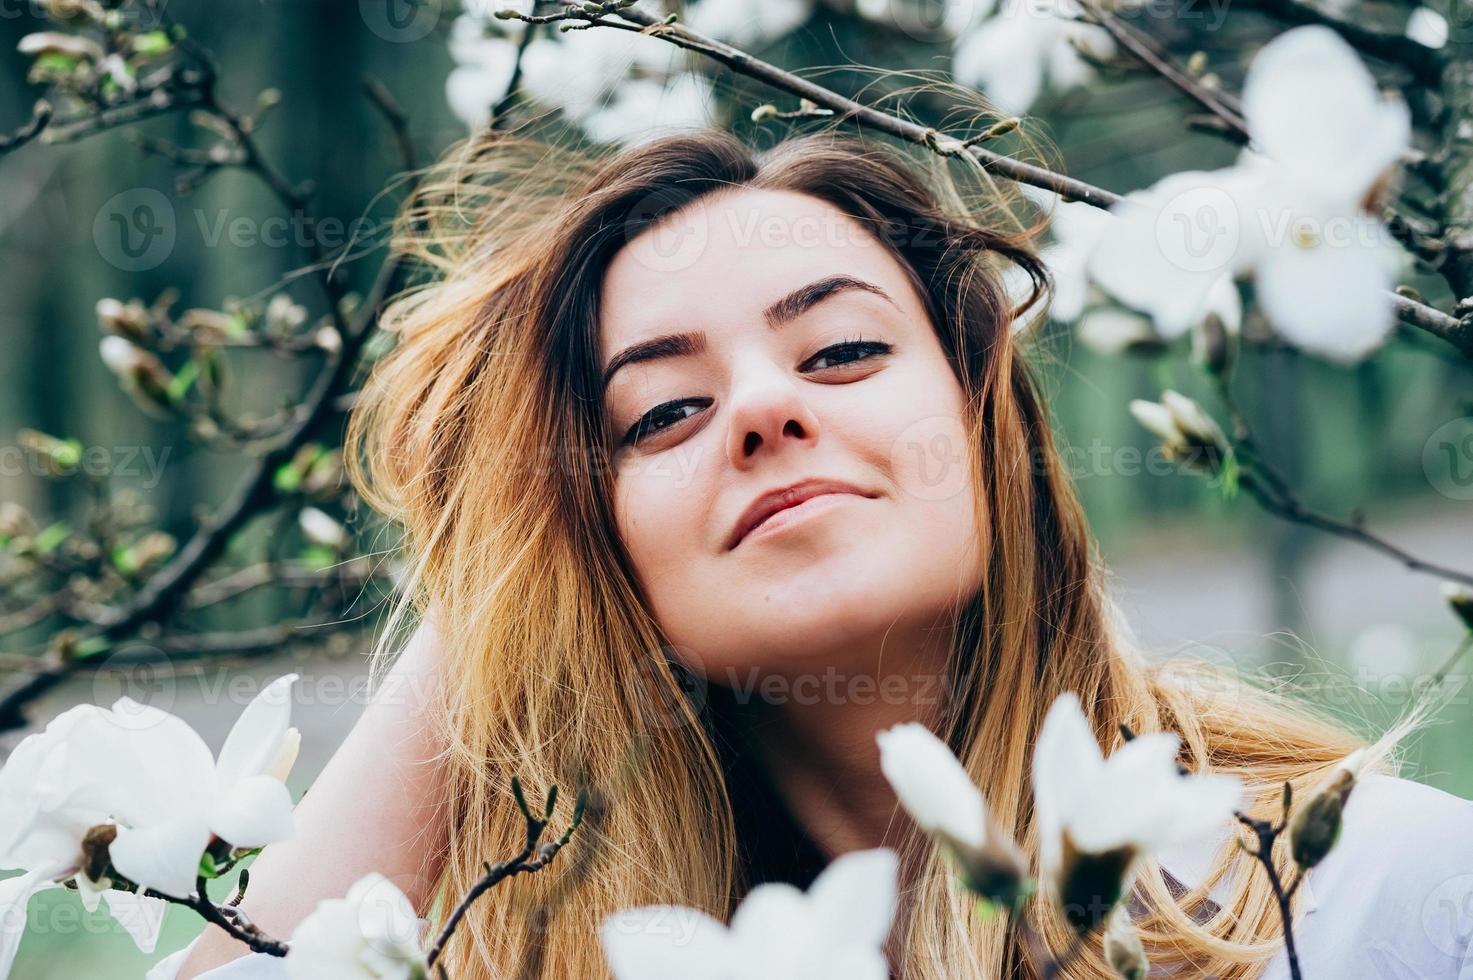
[[766, 418]]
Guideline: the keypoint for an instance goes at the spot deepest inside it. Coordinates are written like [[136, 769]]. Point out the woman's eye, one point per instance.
[[848, 353], [662, 417], [659, 418]]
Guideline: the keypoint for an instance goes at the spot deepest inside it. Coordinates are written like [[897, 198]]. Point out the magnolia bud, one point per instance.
[[284, 316], [321, 529], [128, 320], [1315, 825], [1186, 431], [996, 871], [15, 520], [1123, 949], [1460, 598], [1090, 884], [143, 375], [95, 845], [56, 42]]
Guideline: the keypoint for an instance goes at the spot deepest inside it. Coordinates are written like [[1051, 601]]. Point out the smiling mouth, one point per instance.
[[796, 513]]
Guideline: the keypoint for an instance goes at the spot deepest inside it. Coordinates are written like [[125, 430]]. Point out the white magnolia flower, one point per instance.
[[834, 931], [747, 23], [644, 108], [1427, 27], [1291, 211], [932, 785], [371, 934], [937, 792], [50, 797], [1077, 231], [578, 70], [1010, 55], [178, 796], [1119, 809]]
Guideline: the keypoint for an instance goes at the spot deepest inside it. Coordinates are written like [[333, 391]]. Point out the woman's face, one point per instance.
[[796, 350]]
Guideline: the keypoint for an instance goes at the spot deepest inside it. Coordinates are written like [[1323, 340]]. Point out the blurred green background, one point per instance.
[[1197, 574]]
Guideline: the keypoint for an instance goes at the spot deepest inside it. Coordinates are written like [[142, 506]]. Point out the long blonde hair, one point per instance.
[[479, 433]]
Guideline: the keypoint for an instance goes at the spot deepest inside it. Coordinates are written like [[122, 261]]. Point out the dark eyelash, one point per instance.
[[643, 426]]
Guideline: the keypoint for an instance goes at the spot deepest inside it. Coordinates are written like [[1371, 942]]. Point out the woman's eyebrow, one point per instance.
[[778, 315]]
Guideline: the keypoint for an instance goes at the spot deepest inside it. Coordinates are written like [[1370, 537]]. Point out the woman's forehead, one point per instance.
[[732, 254]]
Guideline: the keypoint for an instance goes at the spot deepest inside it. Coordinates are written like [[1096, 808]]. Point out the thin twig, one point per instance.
[[1290, 509], [1146, 51], [1267, 834], [383, 100], [534, 856], [41, 114], [1070, 189]]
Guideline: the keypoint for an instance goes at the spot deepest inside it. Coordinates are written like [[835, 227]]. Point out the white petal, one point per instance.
[[254, 812], [932, 785], [1112, 331], [1064, 760], [1314, 108], [15, 893], [645, 108], [1223, 299], [169, 768], [327, 944], [164, 856], [140, 916], [1173, 244], [853, 900], [775, 932], [665, 942], [1003, 59], [255, 739], [1332, 299], [1126, 802], [1427, 27]]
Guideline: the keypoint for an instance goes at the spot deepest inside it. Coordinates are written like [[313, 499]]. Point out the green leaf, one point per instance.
[[92, 647], [319, 558], [51, 537], [67, 453], [55, 61], [207, 866], [179, 384], [153, 43], [1229, 476], [125, 560], [288, 478]]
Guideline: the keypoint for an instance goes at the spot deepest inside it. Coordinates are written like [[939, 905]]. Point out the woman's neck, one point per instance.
[[814, 735]]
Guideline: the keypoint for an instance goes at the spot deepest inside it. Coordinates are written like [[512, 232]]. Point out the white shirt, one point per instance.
[[1392, 901]]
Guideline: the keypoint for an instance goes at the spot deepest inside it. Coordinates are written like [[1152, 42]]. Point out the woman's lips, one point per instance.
[[800, 512]]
